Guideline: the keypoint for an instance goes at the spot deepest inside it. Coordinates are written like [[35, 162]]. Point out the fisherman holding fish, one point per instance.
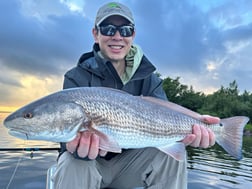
[[113, 120], [115, 125], [116, 62]]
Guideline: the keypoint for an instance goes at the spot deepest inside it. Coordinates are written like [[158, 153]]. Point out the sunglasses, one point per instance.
[[110, 30]]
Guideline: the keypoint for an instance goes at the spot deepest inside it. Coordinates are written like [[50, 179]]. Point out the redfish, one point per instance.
[[121, 120]]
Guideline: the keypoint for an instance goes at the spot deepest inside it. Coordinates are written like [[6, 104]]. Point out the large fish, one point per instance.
[[120, 119]]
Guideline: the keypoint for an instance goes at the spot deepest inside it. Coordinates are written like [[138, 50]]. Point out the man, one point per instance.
[[117, 63]]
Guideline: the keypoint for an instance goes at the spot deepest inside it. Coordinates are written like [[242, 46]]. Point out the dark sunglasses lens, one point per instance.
[[110, 30], [126, 31]]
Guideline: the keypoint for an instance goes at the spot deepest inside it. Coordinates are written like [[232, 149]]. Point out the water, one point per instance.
[[23, 169], [207, 169], [214, 169]]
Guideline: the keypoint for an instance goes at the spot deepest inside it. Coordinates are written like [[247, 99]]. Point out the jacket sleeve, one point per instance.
[[153, 86], [76, 77], [68, 83], [79, 77]]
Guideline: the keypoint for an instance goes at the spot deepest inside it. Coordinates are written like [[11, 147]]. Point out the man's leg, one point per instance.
[[166, 173], [148, 168], [73, 173]]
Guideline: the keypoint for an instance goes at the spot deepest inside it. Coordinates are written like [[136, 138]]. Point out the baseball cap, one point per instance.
[[111, 9]]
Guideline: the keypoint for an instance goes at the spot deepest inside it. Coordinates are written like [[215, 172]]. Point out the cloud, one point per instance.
[[177, 35], [239, 33], [38, 42]]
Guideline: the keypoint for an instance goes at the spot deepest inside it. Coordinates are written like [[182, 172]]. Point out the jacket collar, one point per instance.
[[95, 64]]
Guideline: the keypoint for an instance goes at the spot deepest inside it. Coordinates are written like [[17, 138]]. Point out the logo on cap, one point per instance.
[[113, 5]]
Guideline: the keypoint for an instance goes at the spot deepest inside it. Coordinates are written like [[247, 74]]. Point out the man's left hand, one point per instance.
[[201, 136]]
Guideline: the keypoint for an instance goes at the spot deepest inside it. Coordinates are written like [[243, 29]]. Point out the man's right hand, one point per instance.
[[86, 144]]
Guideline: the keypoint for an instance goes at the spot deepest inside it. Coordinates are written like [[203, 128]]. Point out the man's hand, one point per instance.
[[201, 136], [86, 144]]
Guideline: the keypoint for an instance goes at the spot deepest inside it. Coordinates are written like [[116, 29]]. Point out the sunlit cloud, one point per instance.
[[75, 5], [211, 66], [32, 89]]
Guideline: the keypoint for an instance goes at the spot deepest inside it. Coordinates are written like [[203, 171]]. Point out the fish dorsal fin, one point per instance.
[[172, 106], [114, 90]]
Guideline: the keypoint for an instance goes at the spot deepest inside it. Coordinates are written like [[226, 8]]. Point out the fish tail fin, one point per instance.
[[231, 135]]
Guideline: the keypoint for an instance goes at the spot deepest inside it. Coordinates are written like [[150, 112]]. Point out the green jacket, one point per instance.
[[93, 71]]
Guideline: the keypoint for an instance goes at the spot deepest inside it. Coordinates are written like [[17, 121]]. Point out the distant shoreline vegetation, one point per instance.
[[223, 103], [248, 130], [247, 133]]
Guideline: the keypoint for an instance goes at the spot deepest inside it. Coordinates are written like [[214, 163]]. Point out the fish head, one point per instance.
[[56, 121]]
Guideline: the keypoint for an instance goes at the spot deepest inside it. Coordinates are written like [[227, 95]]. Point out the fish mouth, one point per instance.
[[18, 134]]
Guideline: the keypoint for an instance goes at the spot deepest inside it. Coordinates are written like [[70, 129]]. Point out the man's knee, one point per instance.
[[166, 171], [75, 173]]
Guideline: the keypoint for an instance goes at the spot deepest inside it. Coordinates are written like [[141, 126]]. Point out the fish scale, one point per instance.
[[120, 120], [127, 115]]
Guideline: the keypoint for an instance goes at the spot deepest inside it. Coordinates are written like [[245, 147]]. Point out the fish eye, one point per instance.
[[28, 115]]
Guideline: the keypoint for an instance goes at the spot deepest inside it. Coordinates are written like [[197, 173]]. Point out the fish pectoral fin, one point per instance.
[[109, 146], [106, 142], [176, 150]]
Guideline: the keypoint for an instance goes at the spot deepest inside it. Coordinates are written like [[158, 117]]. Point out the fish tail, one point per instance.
[[231, 135]]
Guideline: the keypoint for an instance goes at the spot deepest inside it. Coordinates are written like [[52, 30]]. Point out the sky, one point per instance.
[[207, 43]]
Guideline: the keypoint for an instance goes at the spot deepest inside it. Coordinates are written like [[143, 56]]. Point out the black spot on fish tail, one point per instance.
[[231, 135]]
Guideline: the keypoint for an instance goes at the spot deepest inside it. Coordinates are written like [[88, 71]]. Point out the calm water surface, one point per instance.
[[207, 169], [21, 169]]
